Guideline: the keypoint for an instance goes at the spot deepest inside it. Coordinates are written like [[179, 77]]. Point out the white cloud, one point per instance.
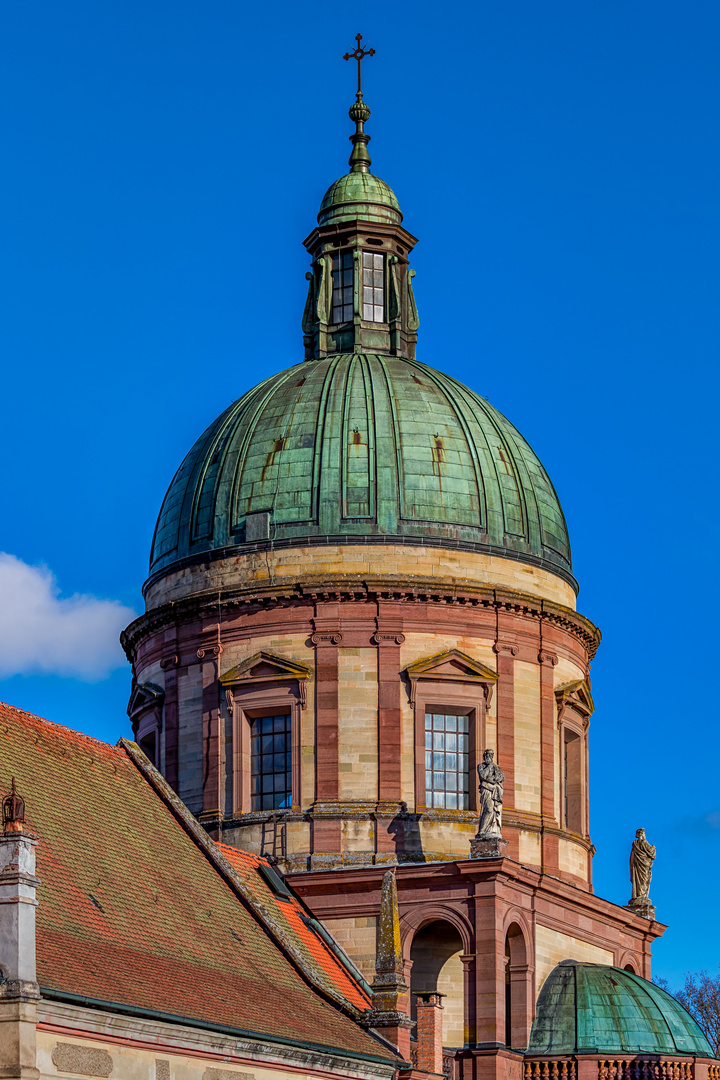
[[42, 634]]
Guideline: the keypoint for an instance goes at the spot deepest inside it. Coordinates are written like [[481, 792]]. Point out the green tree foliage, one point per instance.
[[701, 997]]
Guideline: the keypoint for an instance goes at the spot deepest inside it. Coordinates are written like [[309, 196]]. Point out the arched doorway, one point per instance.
[[518, 991], [435, 953]]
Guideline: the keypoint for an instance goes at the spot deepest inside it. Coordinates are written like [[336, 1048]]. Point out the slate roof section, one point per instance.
[[135, 909]]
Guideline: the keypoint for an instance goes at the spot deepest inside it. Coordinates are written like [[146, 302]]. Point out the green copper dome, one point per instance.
[[362, 448], [359, 195], [591, 1008]]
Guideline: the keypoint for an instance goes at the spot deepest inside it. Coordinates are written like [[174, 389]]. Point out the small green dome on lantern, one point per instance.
[[360, 195]]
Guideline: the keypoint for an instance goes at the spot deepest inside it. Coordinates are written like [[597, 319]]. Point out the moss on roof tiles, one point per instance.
[[132, 911]]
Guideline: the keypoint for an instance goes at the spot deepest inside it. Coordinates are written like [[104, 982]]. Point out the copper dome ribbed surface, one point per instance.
[[363, 448]]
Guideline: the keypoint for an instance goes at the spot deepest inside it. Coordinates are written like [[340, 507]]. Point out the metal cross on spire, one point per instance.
[[359, 54]]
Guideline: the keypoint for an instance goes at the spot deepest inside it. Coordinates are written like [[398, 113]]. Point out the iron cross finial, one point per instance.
[[359, 54]]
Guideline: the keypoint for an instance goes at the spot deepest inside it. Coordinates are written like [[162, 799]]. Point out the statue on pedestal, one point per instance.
[[488, 842], [642, 855]]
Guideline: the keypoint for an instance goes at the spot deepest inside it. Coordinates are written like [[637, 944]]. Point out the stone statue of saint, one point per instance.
[[641, 859], [491, 796]]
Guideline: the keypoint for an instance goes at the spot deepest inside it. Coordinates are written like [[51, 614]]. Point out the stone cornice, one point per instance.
[[343, 588]]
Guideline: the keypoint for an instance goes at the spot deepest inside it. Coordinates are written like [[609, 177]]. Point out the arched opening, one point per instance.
[[518, 991], [631, 969], [436, 965]]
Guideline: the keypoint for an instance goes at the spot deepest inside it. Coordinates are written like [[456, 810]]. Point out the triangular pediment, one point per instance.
[[143, 696], [452, 664], [265, 665], [577, 694]]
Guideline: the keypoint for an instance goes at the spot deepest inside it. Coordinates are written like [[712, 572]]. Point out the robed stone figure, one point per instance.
[[491, 796], [641, 859]]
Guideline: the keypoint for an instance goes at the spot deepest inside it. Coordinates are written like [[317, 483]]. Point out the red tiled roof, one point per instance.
[[132, 909], [291, 912]]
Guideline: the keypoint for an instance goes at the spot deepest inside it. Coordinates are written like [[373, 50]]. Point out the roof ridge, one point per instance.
[[228, 872], [61, 729]]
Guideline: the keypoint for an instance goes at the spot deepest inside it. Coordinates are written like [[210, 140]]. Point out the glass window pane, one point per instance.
[[428, 798], [464, 803], [347, 277], [464, 781], [378, 297], [267, 782], [347, 258], [378, 261], [451, 800], [347, 295], [379, 314], [462, 763], [439, 740], [451, 741], [438, 781], [438, 721], [462, 723], [367, 277], [367, 295], [428, 779], [255, 785], [428, 759], [451, 723], [428, 721], [377, 280], [439, 761], [463, 743], [428, 740], [288, 762], [267, 724], [451, 781], [451, 762], [279, 765], [439, 798], [368, 312]]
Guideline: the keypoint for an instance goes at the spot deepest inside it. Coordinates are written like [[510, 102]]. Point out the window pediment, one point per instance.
[[144, 696], [452, 666], [576, 694], [265, 667]]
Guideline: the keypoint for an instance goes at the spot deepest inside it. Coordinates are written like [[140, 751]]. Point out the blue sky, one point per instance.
[[560, 163]]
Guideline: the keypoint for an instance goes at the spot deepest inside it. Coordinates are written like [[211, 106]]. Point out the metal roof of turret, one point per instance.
[[594, 1008]]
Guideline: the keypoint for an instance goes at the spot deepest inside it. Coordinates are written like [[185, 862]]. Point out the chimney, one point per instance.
[[19, 992], [390, 993], [429, 1031]]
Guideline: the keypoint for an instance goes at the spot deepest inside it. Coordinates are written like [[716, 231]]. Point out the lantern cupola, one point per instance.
[[360, 295]]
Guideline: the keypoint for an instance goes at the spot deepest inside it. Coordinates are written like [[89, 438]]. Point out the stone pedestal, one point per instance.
[[641, 906], [487, 847]]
